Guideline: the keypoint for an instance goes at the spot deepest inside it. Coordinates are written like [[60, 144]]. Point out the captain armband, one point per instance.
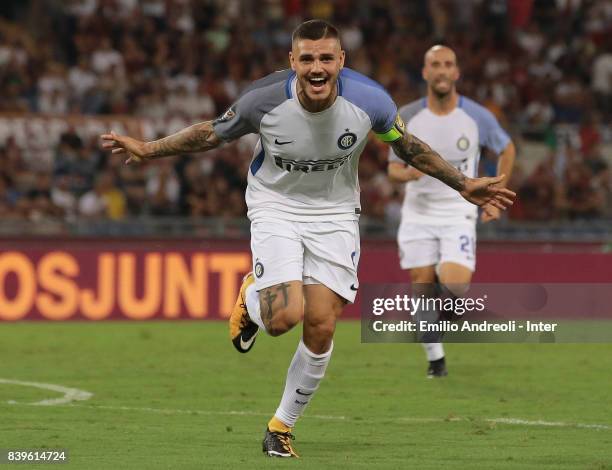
[[396, 132]]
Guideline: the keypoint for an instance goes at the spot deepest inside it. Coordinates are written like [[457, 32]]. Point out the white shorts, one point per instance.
[[427, 245], [312, 252]]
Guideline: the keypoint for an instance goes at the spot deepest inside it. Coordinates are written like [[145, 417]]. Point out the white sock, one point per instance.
[[253, 306], [434, 351], [305, 372]]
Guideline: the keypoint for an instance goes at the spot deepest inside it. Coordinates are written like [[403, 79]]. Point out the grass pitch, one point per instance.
[[176, 395]]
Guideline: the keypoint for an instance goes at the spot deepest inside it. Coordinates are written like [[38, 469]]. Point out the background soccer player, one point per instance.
[[313, 122], [437, 234]]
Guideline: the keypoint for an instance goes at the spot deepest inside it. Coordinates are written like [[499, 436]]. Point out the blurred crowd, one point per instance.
[[86, 182], [544, 68]]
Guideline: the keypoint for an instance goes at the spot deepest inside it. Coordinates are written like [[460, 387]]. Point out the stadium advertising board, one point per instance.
[[132, 285], [105, 279]]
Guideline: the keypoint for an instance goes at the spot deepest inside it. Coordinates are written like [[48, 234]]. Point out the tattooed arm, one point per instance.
[[418, 154], [197, 138], [479, 191]]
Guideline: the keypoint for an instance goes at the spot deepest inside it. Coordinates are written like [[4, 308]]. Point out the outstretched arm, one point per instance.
[[418, 154], [197, 138], [479, 191]]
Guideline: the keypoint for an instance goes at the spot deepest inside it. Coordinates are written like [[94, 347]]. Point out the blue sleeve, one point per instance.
[[371, 97], [407, 113], [245, 115], [384, 115], [491, 134], [236, 121]]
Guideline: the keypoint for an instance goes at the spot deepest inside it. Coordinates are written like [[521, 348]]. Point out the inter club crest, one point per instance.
[[463, 143], [347, 140], [259, 269]]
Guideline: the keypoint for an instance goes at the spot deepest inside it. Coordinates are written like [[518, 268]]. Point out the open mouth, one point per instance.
[[317, 83]]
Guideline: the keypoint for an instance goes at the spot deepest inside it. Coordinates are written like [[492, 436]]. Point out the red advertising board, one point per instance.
[[189, 279], [118, 280]]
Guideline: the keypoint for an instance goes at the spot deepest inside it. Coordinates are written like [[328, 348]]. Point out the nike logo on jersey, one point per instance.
[[299, 391], [278, 142], [353, 287], [247, 344]]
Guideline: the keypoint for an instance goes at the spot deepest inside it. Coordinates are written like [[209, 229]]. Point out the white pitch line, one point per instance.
[[547, 423], [509, 421], [197, 412], [70, 394]]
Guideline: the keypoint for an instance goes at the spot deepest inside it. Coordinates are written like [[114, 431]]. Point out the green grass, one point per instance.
[[163, 393]]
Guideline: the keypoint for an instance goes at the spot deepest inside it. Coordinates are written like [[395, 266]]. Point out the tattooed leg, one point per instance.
[[268, 311], [281, 306], [284, 288]]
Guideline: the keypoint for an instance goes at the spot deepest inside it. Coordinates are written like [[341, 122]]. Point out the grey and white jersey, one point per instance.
[[458, 137], [304, 166]]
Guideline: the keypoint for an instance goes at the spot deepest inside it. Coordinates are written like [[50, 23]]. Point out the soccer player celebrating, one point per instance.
[[437, 232], [313, 122]]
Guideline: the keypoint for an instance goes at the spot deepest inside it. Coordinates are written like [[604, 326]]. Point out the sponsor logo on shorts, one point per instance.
[[259, 269]]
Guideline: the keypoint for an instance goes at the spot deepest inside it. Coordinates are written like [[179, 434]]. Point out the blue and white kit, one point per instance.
[[437, 224], [303, 189]]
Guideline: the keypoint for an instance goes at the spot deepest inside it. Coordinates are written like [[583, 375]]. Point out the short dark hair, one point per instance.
[[315, 29]]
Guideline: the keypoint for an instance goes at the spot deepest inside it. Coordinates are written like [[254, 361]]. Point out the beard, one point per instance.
[[441, 94]]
